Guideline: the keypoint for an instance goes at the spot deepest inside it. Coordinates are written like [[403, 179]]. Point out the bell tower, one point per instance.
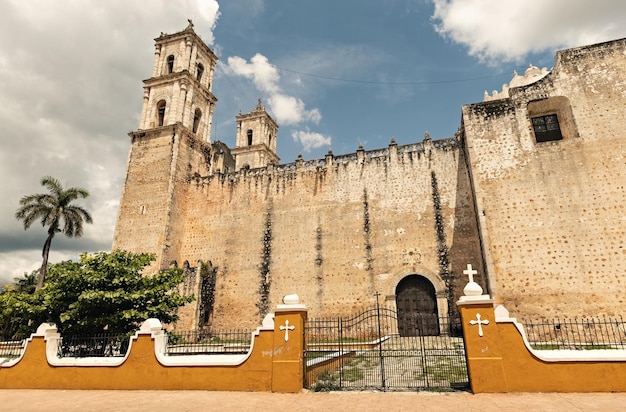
[[179, 90], [257, 133], [171, 146]]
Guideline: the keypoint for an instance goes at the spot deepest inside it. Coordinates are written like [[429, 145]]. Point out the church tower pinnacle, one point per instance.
[[257, 133], [179, 90]]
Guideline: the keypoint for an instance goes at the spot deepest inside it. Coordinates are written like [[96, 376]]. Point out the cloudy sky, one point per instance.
[[333, 73]]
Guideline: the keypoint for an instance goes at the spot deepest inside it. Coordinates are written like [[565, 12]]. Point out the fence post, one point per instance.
[[480, 335], [380, 346], [288, 366]]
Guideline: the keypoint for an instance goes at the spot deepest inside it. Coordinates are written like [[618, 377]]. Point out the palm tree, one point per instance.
[[26, 283], [56, 211]]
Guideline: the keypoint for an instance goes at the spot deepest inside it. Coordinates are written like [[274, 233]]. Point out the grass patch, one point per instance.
[[326, 382]]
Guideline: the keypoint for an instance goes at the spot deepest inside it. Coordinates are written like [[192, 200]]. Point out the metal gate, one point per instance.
[[367, 352]]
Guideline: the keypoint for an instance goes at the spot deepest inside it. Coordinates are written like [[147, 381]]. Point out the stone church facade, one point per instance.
[[536, 206]]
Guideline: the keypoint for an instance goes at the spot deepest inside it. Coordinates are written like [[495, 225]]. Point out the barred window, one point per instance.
[[547, 128]]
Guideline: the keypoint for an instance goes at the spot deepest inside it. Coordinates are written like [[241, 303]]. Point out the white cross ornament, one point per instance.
[[472, 288], [470, 272], [287, 328], [480, 324]]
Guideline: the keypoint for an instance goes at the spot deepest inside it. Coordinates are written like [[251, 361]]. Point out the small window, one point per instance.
[[199, 71], [196, 120], [249, 137], [161, 113], [170, 63], [547, 128]]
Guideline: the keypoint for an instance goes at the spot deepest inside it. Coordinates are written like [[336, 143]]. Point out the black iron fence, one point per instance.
[[12, 349], [209, 342], [236, 341], [578, 334], [366, 351], [98, 345]]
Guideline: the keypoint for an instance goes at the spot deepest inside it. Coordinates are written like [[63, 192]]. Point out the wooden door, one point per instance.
[[417, 307]]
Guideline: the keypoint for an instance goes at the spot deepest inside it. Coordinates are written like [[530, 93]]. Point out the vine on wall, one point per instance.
[[264, 268], [318, 262], [442, 247], [208, 274], [367, 229]]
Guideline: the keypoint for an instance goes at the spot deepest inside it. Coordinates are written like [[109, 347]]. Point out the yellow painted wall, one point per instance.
[[499, 361], [274, 365]]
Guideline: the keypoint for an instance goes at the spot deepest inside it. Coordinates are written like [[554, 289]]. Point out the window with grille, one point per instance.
[[547, 128]]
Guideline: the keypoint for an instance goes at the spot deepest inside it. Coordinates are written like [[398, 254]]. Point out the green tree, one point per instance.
[[15, 314], [107, 292], [15, 302], [56, 211]]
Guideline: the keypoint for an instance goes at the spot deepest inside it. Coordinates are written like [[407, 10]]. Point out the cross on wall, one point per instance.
[[480, 322], [287, 328]]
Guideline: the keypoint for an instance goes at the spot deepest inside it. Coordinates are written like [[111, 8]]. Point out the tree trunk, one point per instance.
[[41, 277]]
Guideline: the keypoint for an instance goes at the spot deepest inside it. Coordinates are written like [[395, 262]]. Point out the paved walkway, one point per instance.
[[60, 400]]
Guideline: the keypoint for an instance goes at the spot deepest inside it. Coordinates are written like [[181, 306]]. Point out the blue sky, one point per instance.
[[373, 72], [333, 73]]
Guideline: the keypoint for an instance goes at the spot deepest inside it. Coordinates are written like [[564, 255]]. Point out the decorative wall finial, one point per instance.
[[472, 288]]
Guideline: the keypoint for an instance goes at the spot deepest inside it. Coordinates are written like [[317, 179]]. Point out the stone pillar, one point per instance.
[[360, 155], [299, 162], [157, 61], [288, 366], [144, 123], [482, 339], [393, 152]]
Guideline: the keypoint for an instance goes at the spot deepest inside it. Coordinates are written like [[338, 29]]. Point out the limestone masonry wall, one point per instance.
[[531, 191], [339, 230], [552, 214]]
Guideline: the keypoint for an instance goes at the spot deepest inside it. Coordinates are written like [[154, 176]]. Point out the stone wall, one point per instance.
[[553, 214], [545, 221], [152, 207], [338, 229]]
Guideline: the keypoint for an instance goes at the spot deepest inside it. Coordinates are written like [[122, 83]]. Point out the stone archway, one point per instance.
[[416, 303]]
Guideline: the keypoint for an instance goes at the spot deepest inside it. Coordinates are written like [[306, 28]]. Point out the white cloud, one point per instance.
[[15, 264], [264, 75], [288, 110], [310, 140], [70, 90], [508, 30], [209, 10]]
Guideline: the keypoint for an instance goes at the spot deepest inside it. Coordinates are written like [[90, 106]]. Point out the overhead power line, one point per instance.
[[393, 83], [390, 83]]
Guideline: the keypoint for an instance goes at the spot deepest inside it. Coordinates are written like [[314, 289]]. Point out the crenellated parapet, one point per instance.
[[391, 154]]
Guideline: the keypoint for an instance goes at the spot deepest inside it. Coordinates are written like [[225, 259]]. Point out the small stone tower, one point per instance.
[[171, 145], [257, 133]]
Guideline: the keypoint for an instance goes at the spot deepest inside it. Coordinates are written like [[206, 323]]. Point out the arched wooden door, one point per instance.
[[417, 307]]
